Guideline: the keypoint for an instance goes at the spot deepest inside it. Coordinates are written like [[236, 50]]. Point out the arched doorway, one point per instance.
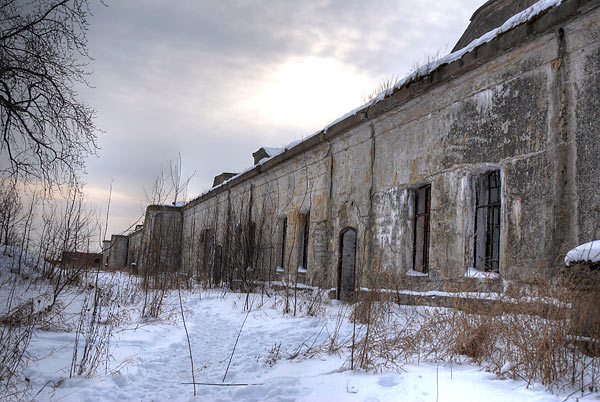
[[347, 264]]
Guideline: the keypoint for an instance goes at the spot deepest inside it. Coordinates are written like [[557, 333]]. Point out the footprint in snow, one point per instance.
[[389, 381]]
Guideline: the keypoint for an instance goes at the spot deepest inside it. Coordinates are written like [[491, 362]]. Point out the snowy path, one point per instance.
[[158, 363]]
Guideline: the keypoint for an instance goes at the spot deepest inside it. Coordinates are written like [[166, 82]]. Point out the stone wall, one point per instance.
[[134, 242], [117, 258], [160, 245], [525, 105]]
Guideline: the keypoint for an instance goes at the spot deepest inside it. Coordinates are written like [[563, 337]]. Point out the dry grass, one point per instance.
[[530, 333]]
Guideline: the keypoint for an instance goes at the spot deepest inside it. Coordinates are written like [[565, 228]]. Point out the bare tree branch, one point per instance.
[[47, 132]]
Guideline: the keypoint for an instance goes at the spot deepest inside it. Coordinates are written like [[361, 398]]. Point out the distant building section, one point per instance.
[[489, 16], [223, 177], [265, 152], [118, 251], [75, 259]]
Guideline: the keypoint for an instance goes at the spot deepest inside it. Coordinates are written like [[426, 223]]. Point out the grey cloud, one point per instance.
[[167, 74]]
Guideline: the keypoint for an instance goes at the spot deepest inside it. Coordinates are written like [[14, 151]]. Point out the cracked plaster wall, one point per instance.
[[532, 112]]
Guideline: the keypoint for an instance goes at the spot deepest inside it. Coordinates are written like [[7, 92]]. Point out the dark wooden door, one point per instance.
[[347, 265]]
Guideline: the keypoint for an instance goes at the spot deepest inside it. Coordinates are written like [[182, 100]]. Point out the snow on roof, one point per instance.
[[273, 151], [517, 19], [171, 204], [524, 16], [589, 252]]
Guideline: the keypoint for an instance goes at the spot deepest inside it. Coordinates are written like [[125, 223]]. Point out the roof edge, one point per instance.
[[416, 84]]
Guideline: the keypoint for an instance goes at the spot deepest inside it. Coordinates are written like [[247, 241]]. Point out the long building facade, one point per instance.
[[487, 163]]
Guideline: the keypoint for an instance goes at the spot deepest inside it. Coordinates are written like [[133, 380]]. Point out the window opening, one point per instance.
[[205, 241], [305, 241], [217, 264], [283, 239], [487, 222], [421, 229]]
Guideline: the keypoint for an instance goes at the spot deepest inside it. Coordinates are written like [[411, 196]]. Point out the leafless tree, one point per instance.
[[159, 192], [47, 132], [180, 185], [169, 185], [10, 209]]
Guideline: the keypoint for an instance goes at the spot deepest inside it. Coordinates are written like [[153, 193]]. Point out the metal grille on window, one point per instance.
[[421, 229], [487, 222], [283, 239], [305, 241]]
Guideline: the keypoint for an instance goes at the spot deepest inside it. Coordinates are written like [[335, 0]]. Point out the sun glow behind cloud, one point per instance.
[[309, 93], [214, 81]]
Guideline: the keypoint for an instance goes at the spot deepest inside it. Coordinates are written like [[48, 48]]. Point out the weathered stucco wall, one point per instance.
[[582, 126], [245, 223], [118, 252], [160, 249], [494, 117], [526, 104], [134, 244]]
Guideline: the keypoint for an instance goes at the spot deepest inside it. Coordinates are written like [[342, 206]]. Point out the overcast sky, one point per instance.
[[216, 80]]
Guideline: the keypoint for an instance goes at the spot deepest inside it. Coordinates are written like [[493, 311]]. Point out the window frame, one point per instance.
[[421, 220], [488, 222], [284, 227], [305, 240]]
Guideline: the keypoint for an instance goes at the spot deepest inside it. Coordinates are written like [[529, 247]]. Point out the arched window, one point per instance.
[[347, 264]]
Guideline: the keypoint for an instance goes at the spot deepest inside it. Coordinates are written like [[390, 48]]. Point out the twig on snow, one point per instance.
[[222, 385], [237, 339]]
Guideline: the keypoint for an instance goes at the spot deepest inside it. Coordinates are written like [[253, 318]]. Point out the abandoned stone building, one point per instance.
[[487, 161]]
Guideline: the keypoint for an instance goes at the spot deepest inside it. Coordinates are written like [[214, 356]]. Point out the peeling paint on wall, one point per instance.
[[507, 106]]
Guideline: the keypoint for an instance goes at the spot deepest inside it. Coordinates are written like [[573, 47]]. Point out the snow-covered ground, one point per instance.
[[154, 363], [280, 357]]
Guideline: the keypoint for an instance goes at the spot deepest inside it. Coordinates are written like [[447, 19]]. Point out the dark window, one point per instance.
[[217, 264], [238, 237], [205, 237], [487, 222], [246, 242], [305, 241], [283, 239], [251, 235], [421, 229]]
